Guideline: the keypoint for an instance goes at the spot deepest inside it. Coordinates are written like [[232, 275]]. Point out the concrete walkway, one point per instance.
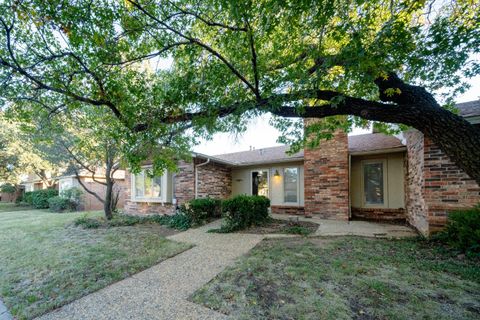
[[4, 314], [356, 228], [161, 292]]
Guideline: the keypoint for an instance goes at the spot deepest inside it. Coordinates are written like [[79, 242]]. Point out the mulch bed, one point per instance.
[[280, 226]]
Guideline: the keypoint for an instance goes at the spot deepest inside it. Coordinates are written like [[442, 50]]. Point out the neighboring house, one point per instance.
[[32, 182], [94, 184], [370, 176], [66, 181]]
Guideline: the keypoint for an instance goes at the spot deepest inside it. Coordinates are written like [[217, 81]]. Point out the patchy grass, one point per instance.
[[283, 226], [9, 206], [345, 278], [47, 262]]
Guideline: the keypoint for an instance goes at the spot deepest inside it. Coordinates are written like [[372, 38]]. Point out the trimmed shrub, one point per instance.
[[463, 230], [60, 204], [8, 188], [28, 198], [74, 195], [244, 211], [179, 221], [39, 198], [201, 210]]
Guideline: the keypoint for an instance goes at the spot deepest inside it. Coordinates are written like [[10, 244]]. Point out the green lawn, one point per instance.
[[46, 262], [8, 206], [346, 278]]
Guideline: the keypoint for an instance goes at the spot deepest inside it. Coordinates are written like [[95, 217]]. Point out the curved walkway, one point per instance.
[[161, 292]]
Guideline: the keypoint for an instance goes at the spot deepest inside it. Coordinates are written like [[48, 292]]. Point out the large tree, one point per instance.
[[378, 60], [19, 157]]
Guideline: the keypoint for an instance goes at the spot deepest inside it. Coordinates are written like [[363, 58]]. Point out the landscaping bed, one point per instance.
[[283, 226], [347, 278], [47, 262]]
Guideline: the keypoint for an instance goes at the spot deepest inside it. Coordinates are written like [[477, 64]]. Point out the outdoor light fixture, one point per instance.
[[277, 174]]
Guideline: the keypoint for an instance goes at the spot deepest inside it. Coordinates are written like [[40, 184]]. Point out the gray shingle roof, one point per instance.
[[469, 109], [264, 155], [373, 142], [360, 143]]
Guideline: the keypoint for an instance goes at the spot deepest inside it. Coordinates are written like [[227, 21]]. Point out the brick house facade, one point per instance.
[[371, 176]]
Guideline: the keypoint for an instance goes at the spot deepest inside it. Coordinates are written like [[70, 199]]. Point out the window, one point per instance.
[[148, 188], [260, 183], [290, 184], [373, 183]]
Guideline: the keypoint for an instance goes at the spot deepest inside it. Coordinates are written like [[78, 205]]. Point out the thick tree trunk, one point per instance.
[[415, 107], [458, 138]]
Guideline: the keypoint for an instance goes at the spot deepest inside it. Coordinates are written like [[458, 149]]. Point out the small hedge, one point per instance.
[[61, 204], [177, 221], [244, 211], [202, 210], [39, 198], [463, 231], [8, 188]]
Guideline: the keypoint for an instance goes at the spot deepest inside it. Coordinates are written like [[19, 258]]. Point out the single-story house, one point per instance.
[[90, 202], [371, 176], [68, 180]]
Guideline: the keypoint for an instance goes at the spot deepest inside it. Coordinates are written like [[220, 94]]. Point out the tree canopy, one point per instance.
[[230, 60]]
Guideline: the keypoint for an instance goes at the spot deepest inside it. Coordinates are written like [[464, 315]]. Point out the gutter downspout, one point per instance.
[[196, 175]]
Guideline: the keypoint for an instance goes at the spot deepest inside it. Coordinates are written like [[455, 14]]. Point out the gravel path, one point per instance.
[[161, 292]]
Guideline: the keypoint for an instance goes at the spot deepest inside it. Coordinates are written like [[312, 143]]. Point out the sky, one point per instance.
[[260, 134]]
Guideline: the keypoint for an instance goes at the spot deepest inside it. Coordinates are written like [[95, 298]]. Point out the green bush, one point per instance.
[[28, 198], [244, 211], [463, 230], [73, 194], [8, 188], [61, 204], [87, 223], [39, 198], [179, 221], [201, 210]]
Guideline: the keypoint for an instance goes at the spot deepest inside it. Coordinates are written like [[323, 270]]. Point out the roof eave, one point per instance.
[[378, 151]]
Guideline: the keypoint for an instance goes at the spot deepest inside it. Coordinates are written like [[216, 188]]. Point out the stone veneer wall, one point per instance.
[[214, 181], [327, 178], [435, 185]]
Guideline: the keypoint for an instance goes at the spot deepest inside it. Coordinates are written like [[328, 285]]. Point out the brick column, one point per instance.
[[327, 178]]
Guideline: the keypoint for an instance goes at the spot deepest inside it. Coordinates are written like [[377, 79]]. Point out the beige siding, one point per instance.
[[241, 181], [395, 180]]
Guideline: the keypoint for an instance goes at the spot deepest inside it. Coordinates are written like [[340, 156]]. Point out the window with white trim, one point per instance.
[[147, 188], [290, 185]]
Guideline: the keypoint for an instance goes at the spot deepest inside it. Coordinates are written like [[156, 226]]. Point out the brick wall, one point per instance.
[[435, 185], [415, 202], [447, 187], [383, 214], [290, 210], [214, 181], [326, 178], [143, 208]]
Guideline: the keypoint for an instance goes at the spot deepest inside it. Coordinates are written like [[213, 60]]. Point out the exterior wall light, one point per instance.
[[277, 174]]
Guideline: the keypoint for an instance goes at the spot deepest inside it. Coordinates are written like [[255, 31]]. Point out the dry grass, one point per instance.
[[346, 278], [47, 262]]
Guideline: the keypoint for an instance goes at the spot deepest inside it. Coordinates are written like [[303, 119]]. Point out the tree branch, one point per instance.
[[198, 42]]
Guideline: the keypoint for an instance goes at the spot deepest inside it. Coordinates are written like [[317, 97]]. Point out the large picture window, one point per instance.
[[148, 188], [260, 183], [290, 185], [373, 183]]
